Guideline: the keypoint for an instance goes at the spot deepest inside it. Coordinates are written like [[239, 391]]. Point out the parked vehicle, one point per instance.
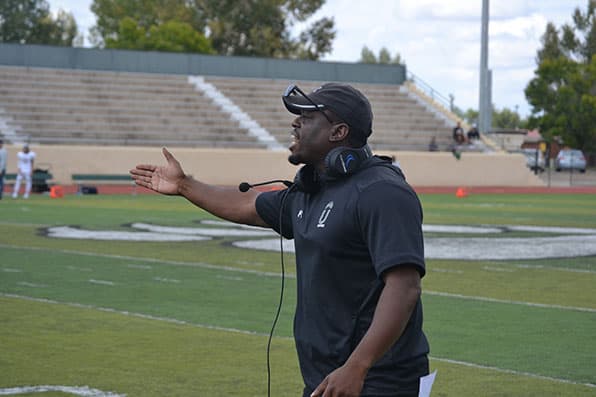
[[570, 159], [533, 161]]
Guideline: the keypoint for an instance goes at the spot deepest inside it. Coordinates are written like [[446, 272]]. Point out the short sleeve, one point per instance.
[[390, 217], [271, 205]]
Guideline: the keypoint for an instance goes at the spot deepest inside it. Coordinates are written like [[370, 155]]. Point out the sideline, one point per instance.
[[180, 322]]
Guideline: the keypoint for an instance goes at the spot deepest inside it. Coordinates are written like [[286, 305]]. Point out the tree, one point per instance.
[[384, 58], [30, 22], [506, 118], [146, 13], [234, 27], [551, 45], [170, 36], [316, 40], [367, 56], [562, 92]]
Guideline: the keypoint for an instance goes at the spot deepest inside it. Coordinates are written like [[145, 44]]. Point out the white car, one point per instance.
[[533, 161], [570, 159]]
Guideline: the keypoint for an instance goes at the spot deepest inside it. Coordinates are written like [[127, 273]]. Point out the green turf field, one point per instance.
[[141, 318]]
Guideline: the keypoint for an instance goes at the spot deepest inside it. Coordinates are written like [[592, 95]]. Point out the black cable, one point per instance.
[[281, 295]]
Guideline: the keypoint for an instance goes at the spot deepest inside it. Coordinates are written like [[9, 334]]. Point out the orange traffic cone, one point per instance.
[[56, 192], [461, 192]]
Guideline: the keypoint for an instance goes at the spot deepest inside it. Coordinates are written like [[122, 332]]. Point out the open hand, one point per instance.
[[162, 179]]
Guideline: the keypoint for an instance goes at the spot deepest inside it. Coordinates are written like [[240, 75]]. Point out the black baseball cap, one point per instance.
[[345, 101]]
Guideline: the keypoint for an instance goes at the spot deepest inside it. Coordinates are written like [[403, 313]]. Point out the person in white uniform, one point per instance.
[[25, 160]]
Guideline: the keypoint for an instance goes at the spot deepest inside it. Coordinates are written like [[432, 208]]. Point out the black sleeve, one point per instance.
[[390, 217], [273, 204]]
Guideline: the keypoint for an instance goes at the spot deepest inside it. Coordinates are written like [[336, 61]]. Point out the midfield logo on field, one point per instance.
[[460, 242]]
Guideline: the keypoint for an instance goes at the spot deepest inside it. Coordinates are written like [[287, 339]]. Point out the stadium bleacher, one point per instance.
[[57, 106], [69, 106]]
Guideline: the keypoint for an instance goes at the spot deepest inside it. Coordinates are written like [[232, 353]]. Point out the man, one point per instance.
[[3, 157], [25, 162], [458, 134], [473, 134], [359, 247]]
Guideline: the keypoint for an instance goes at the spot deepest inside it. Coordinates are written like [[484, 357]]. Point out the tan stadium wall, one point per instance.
[[232, 166]]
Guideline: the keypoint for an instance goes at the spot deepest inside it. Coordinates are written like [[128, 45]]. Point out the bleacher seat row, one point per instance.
[[55, 106]]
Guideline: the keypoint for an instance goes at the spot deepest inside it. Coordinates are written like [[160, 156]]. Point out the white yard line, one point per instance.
[[137, 315], [102, 282], [166, 280], [149, 260], [292, 276], [235, 330], [510, 371], [509, 302]]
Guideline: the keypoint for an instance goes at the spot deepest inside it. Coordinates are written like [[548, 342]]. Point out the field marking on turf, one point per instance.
[[497, 269], [141, 267], [290, 276], [84, 391], [150, 260], [559, 269], [228, 268], [510, 371], [166, 280], [509, 302], [240, 331], [138, 315], [439, 270], [32, 285], [101, 282], [11, 270]]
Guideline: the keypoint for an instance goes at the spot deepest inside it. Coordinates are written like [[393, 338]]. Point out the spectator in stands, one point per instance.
[[432, 146], [458, 134], [357, 232], [3, 159], [25, 162], [473, 133]]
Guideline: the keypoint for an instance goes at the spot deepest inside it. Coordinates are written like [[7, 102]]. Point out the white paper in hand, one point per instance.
[[426, 384]]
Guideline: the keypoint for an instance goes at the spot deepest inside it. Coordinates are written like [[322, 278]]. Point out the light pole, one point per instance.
[[484, 101]]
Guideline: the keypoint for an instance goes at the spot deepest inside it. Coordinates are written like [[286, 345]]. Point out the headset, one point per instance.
[[339, 162]]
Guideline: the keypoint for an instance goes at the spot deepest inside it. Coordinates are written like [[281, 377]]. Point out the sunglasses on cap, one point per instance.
[[293, 89]]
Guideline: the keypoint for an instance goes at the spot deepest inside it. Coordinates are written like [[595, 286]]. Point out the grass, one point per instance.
[[191, 319]]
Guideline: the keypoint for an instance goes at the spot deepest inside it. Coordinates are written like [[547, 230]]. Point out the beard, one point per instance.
[[294, 159]]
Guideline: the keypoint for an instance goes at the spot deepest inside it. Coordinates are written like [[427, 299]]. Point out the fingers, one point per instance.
[[142, 175], [318, 392], [167, 154], [143, 170]]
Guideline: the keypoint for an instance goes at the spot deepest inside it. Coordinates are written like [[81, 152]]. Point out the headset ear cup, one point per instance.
[[343, 161], [306, 180], [331, 162]]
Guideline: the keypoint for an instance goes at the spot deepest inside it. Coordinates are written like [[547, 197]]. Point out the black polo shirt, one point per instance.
[[346, 235]]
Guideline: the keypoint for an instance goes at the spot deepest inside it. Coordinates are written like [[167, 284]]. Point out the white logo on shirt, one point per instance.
[[325, 214], [300, 213]]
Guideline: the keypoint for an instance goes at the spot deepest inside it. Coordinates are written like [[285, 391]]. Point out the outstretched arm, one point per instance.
[[395, 306], [224, 202]]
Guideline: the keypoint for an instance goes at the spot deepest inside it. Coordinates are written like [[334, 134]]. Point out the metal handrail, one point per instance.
[[430, 91]]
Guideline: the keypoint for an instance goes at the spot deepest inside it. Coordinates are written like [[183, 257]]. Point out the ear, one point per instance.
[[340, 132]]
